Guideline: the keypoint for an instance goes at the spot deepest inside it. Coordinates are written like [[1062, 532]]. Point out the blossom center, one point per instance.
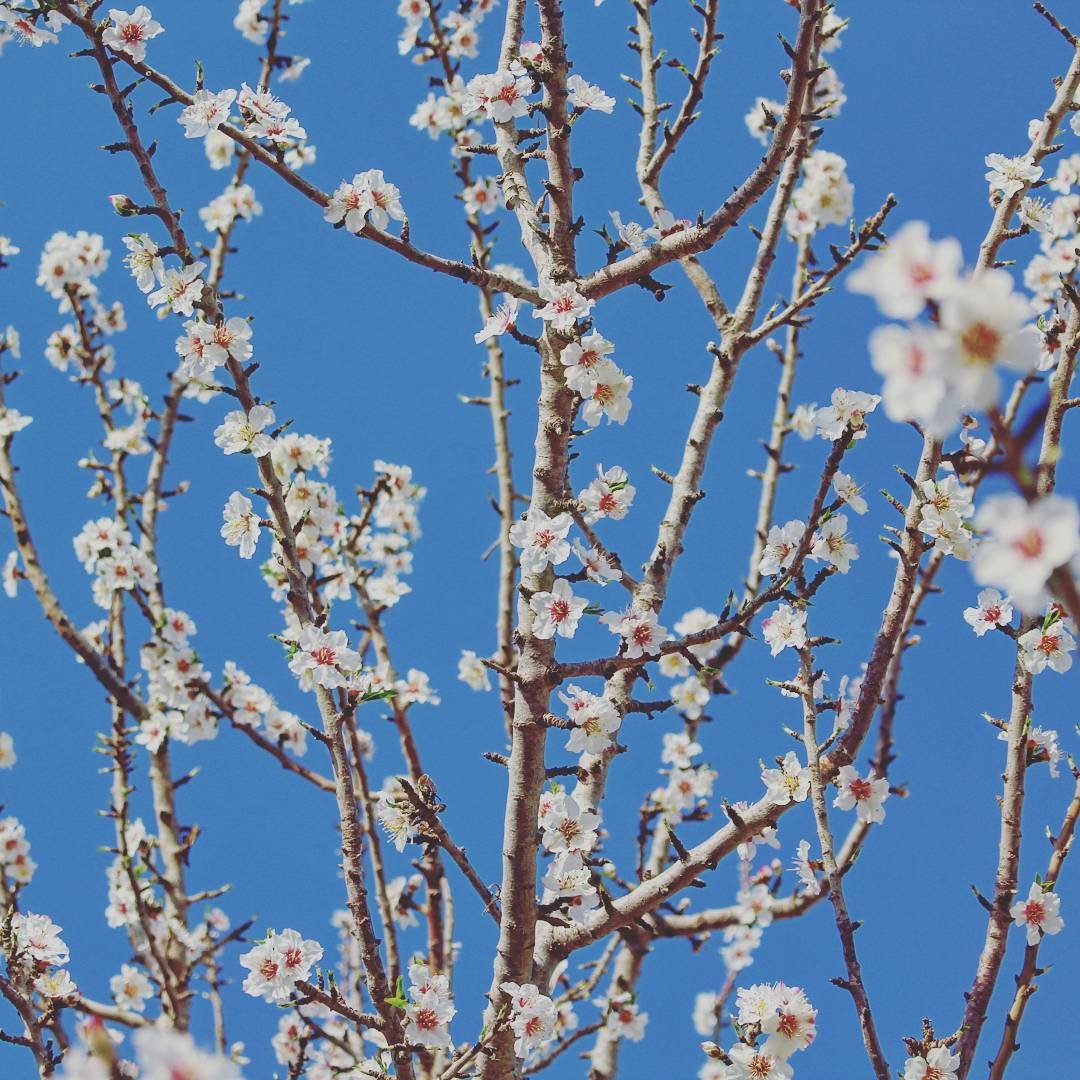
[[860, 789], [981, 343], [1030, 545], [427, 1019]]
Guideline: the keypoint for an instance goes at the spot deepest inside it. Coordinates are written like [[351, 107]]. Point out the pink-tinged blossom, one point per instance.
[[11, 420], [368, 197], [641, 633], [991, 610], [164, 1054], [1024, 544], [568, 880], [762, 117], [542, 540], [323, 657], [277, 964], [583, 360], [472, 672], [598, 567], [791, 1024], [1040, 913], [500, 321], [241, 527], [7, 761], [557, 611], [631, 234], [38, 937], [938, 1063], [752, 1063], [206, 112], [625, 1020], [595, 720], [484, 196], [564, 305], [25, 30], [567, 827], [908, 272], [784, 628], [532, 1017], [609, 396], [865, 796], [610, 495], [501, 97], [912, 360], [1045, 647], [129, 33]]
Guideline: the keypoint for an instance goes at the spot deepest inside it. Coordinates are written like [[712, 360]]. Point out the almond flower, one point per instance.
[[642, 635], [784, 628], [241, 433], [584, 95], [241, 527], [937, 1064], [1025, 543], [598, 567], [992, 610], [1047, 647], [789, 783], [910, 270], [180, 289], [277, 964], [557, 611], [542, 540], [781, 545], [1010, 175], [206, 112], [500, 321], [323, 658], [1039, 913], [564, 306], [129, 33], [866, 796]]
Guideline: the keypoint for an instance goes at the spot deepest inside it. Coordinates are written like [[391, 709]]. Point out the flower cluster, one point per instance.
[[106, 550], [825, 196], [775, 1022], [1023, 543], [429, 1008], [936, 372], [570, 834], [367, 199], [532, 1016], [277, 964], [16, 866]]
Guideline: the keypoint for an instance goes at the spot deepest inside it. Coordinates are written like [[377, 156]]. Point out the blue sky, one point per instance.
[[356, 345]]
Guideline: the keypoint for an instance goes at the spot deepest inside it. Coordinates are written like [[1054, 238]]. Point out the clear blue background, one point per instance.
[[357, 345]]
